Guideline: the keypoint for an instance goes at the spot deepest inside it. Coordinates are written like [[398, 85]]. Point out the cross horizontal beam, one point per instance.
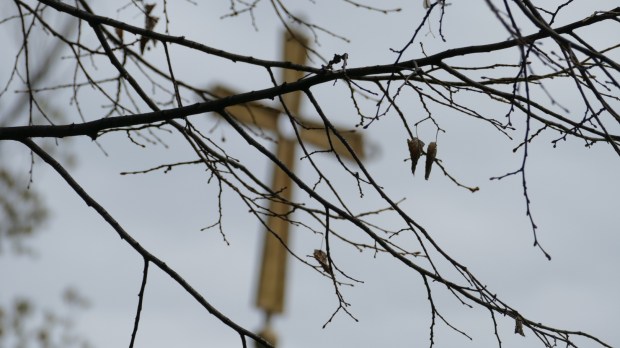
[[311, 132]]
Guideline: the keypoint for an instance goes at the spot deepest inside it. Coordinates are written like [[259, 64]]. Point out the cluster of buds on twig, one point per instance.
[[427, 3]]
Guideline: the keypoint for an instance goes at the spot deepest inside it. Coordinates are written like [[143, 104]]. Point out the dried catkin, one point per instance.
[[321, 257], [415, 151], [431, 153]]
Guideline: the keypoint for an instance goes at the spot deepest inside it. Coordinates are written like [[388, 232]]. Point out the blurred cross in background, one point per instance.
[[271, 284]]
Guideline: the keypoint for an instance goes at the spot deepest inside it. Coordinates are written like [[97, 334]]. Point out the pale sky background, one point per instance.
[[574, 194]]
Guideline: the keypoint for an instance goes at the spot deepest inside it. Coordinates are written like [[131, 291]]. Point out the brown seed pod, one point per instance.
[[119, 33], [321, 257], [415, 151], [431, 153], [149, 24], [519, 325]]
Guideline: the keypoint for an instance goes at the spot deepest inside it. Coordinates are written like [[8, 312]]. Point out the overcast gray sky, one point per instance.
[[574, 194]]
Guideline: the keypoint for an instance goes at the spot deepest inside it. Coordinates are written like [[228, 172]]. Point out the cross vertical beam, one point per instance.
[[272, 282]]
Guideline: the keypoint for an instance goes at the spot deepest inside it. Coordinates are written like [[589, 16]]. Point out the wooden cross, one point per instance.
[[271, 286]]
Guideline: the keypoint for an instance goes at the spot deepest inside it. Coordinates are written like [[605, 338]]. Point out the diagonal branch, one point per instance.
[[148, 257]]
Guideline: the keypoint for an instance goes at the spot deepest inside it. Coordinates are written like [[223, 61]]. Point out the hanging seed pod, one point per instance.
[[149, 24], [415, 151], [119, 33], [321, 257], [431, 153], [519, 326]]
